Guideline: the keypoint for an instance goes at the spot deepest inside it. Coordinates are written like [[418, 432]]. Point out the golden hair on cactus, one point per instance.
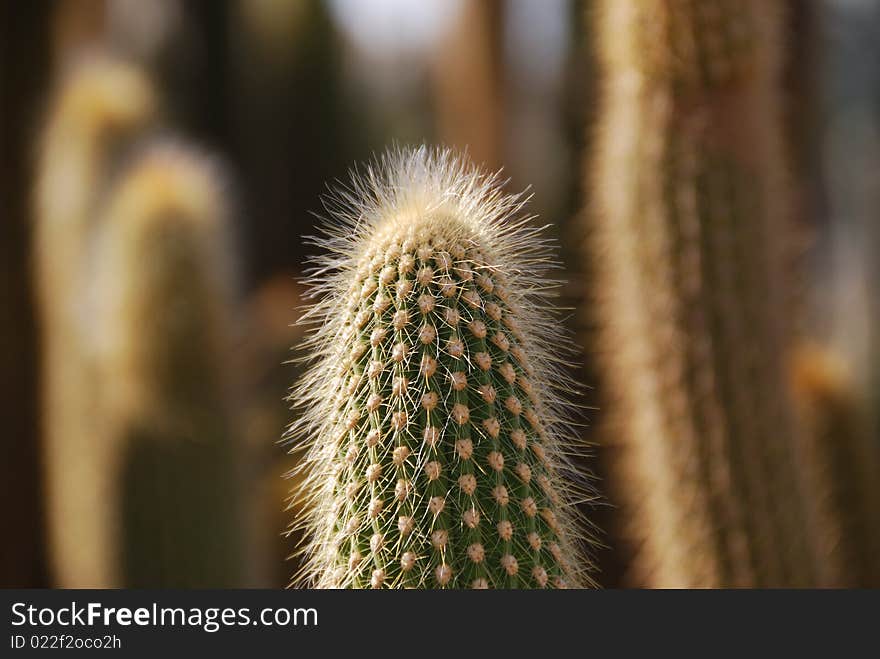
[[99, 110], [844, 468], [688, 244], [164, 262], [440, 446]]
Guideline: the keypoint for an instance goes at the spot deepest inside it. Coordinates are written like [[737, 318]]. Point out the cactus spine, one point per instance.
[[439, 452], [100, 108], [164, 258], [688, 240]]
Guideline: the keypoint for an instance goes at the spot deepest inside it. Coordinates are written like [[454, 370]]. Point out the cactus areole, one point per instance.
[[438, 441]]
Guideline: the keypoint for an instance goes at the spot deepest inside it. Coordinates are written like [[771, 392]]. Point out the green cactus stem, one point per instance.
[[439, 445]]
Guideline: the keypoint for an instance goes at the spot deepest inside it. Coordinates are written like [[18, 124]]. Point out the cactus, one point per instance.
[[100, 108], [164, 327], [688, 247], [844, 467], [439, 446]]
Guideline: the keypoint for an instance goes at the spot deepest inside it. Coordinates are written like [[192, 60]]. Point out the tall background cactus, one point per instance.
[[22, 560], [439, 445], [101, 108], [689, 229], [166, 387]]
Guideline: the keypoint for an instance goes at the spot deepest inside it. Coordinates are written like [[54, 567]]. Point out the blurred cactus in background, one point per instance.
[[844, 468], [692, 285], [101, 108], [136, 291], [434, 413], [165, 259], [468, 79]]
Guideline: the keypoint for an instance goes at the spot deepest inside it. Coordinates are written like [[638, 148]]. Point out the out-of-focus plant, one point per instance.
[[167, 279], [100, 109], [689, 227]]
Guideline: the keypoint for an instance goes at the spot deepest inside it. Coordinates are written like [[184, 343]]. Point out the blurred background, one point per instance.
[[272, 100]]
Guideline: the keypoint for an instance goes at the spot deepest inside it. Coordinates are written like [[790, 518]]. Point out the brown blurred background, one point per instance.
[[289, 94]]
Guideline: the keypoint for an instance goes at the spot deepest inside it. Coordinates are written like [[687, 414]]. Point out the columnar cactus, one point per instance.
[[101, 107], [468, 78], [164, 265], [844, 468], [439, 446], [687, 240]]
